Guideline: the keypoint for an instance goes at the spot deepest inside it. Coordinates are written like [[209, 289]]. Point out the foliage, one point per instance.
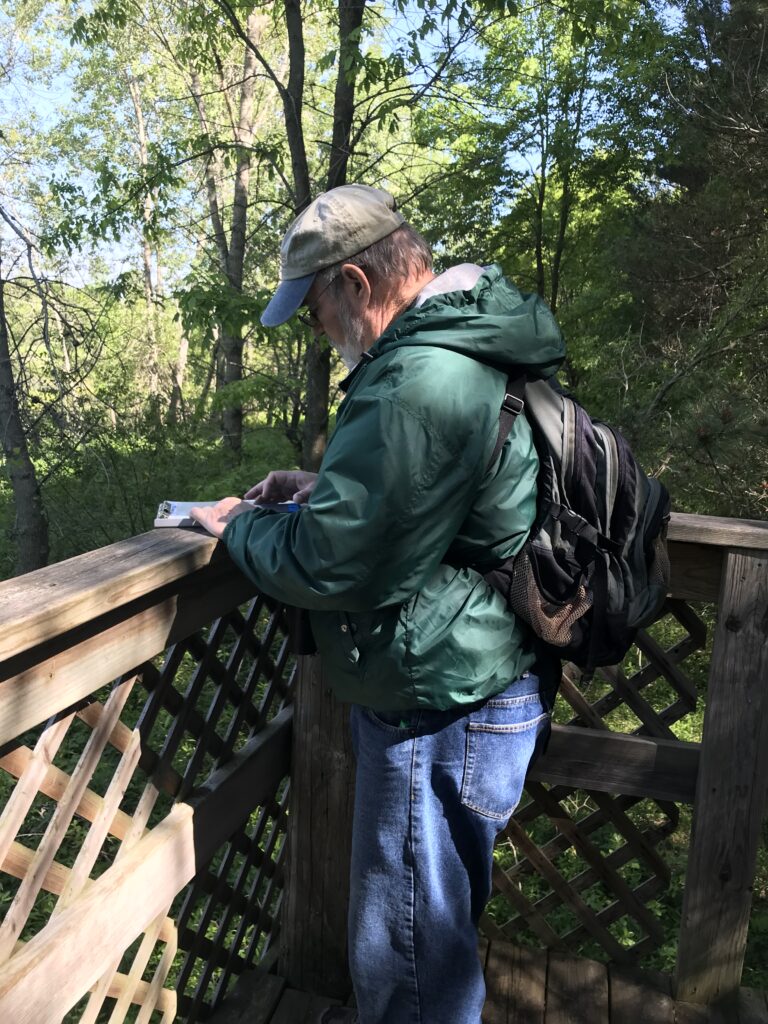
[[611, 155]]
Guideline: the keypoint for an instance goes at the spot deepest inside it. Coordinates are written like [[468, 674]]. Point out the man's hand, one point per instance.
[[284, 485], [215, 517]]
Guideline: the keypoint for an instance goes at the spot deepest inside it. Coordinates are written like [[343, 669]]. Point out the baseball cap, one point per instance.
[[336, 226]]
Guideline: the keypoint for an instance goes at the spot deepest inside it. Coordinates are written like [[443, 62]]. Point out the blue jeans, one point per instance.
[[433, 789]]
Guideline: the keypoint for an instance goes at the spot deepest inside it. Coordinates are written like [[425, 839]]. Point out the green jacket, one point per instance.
[[405, 504]]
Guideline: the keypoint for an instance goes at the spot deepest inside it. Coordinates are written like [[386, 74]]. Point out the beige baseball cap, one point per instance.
[[336, 226]]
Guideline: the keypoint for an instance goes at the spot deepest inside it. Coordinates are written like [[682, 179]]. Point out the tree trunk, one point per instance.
[[150, 330], [293, 104], [176, 407], [538, 218], [319, 355], [566, 175], [232, 344], [350, 21], [316, 414], [30, 529]]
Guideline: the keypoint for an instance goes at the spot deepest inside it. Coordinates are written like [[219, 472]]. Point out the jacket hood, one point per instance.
[[491, 321]]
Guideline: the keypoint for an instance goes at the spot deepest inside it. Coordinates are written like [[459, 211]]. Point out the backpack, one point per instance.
[[595, 568]]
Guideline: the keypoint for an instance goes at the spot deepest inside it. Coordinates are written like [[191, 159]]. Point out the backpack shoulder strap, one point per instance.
[[511, 407]]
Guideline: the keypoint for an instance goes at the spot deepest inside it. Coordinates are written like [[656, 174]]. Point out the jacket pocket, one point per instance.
[[461, 638]]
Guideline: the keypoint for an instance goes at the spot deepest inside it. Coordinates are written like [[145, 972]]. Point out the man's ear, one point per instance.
[[356, 285]]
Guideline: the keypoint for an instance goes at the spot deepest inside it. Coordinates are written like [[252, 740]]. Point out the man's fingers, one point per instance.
[[215, 518], [283, 485]]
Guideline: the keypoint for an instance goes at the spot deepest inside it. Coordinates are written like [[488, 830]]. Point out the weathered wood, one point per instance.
[[48, 602], [528, 976], [567, 894], [300, 1008], [613, 763], [633, 1000], [611, 878], [231, 794], [313, 953], [137, 889], [43, 604], [535, 920], [696, 571], [53, 784], [752, 1007], [515, 979], [719, 532], [21, 799], [577, 991], [630, 696], [64, 811], [731, 790], [253, 1000], [45, 979], [41, 682], [696, 1013]]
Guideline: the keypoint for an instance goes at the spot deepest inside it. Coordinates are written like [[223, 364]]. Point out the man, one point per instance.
[[388, 553]]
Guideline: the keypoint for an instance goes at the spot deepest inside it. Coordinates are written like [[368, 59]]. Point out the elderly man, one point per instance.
[[449, 696]]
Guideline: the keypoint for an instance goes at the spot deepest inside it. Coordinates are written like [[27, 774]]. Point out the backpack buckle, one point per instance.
[[512, 404]]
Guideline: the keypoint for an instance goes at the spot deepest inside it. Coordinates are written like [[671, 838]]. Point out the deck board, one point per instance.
[[300, 1008], [576, 991], [753, 1006], [632, 999], [524, 986], [515, 985]]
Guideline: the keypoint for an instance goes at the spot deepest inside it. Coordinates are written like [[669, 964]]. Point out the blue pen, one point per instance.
[[279, 506]]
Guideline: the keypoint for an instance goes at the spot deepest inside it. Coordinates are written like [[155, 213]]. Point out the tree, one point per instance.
[[31, 526]]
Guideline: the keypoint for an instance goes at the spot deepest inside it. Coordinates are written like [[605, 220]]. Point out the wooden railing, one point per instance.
[[145, 747]]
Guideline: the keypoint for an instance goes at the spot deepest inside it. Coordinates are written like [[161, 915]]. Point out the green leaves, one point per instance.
[[210, 302], [100, 24]]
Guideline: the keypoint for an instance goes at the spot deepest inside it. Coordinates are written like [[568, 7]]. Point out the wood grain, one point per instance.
[[614, 763], [40, 683], [577, 991], [313, 937], [113, 911], [633, 1000], [696, 571], [50, 601], [719, 532], [731, 791]]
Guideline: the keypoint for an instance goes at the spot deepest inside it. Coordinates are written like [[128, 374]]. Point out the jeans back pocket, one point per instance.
[[501, 740]]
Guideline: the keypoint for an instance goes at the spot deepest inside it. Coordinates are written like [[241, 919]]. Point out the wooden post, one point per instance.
[[313, 933], [731, 789]]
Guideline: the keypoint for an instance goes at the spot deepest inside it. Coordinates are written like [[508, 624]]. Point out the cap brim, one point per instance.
[[286, 300]]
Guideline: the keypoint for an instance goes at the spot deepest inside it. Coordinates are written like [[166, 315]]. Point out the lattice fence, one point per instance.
[[578, 869], [82, 790]]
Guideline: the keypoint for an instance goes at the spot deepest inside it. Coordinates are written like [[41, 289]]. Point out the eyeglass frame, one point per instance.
[[310, 318]]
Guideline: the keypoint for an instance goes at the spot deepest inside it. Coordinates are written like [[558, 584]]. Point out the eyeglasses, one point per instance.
[[310, 318]]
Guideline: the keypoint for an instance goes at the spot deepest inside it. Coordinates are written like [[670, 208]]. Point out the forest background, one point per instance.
[[611, 155]]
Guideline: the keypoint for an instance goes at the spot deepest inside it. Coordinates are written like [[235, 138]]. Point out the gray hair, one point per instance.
[[398, 254]]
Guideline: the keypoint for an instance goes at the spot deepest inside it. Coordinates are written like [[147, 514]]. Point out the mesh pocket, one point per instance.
[[555, 623], [660, 571]]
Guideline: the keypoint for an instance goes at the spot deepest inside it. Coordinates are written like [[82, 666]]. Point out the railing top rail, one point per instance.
[[47, 603], [44, 604], [715, 531]]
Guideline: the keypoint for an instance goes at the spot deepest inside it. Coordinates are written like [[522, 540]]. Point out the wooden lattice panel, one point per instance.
[[82, 790], [577, 869]]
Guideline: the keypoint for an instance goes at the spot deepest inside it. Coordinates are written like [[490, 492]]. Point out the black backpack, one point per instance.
[[594, 569]]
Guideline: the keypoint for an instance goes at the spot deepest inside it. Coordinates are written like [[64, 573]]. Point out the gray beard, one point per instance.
[[351, 349]]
